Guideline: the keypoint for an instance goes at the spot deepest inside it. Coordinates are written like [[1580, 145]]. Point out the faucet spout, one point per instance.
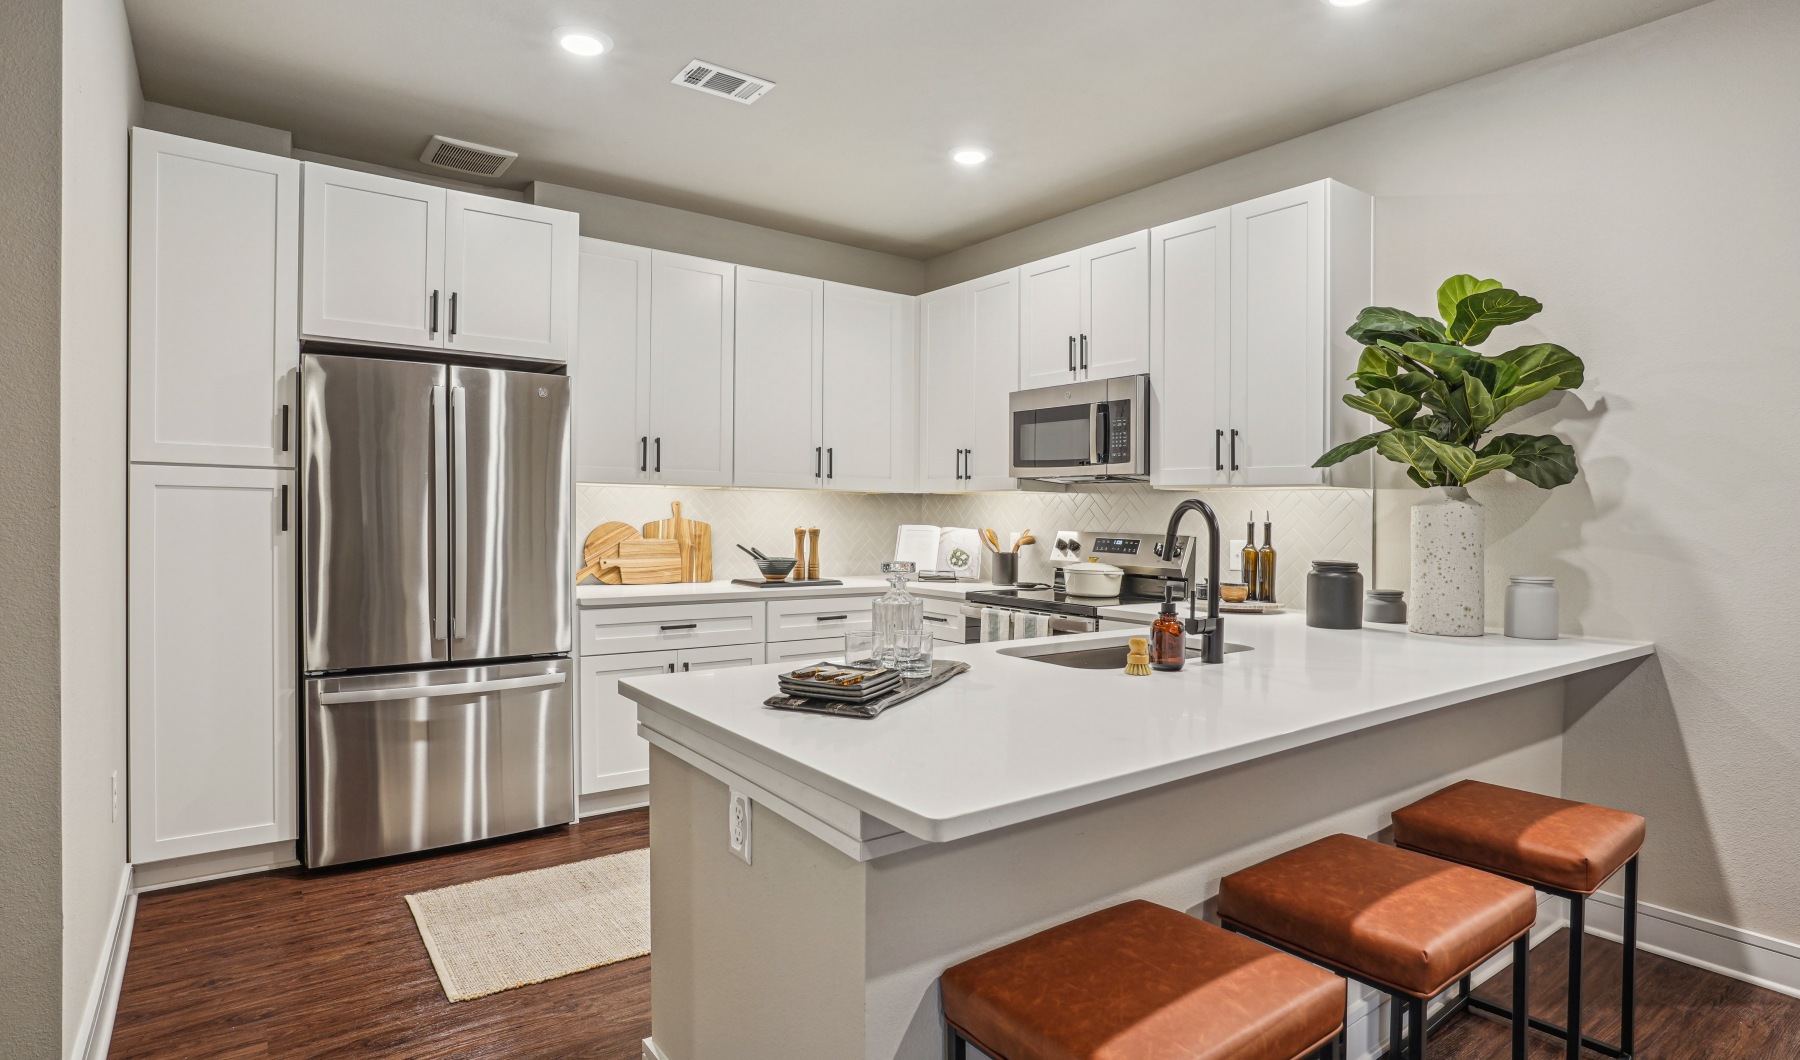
[[1211, 629]]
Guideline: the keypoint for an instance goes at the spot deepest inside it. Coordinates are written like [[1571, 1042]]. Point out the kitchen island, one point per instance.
[[1023, 794]]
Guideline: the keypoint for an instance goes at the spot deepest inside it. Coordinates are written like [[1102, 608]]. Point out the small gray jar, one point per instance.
[[1334, 592], [1385, 605]]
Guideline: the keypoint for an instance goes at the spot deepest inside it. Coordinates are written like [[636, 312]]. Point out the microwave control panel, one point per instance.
[[1118, 433]]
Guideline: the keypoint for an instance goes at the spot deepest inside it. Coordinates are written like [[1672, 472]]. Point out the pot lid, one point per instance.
[[1093, 566]]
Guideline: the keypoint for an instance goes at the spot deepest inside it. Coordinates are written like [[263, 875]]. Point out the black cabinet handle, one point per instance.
[[452, 314], [1219, 449], [939, 619], [1234, 463], [658, 467], [1083, 352], [832, 618], [644, 452], [284, 506], [434, 301], [684, 668], [671, 667], [286, 409], [1071, 353], [968, 464], [830, 463], [680, 625], [818, 461]]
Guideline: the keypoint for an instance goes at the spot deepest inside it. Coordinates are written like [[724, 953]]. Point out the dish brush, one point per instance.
[[1137, 661]]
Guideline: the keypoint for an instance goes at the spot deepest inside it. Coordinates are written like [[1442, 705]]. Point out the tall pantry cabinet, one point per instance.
[[214, 354]]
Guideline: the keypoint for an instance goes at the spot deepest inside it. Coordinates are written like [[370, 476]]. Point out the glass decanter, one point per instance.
[[895, 612]]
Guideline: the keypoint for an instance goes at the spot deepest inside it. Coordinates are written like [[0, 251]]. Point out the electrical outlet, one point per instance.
[[115, 795], [737, 826], [1236, 556]]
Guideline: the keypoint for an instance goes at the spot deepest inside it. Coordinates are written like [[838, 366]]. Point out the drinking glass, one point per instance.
[[861, 648], [912, 652]]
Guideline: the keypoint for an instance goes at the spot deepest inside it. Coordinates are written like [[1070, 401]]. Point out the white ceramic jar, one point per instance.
[[1532, 611]]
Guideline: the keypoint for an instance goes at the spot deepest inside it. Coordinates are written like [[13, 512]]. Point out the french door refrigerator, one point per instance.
[[435, 590]]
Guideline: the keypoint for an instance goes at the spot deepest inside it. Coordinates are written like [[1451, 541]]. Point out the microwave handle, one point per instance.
[[1102, 423]]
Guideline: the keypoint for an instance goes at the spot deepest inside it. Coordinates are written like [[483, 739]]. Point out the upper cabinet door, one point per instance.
[[211, 705], [1279, 353], [780, 346], [1190, 350], [510, 276], [610, 373], [1115, 308], [996, 362], [1049, 324], [215, 257], [946, 379], [373, 259], [692, 328], [868, 392]]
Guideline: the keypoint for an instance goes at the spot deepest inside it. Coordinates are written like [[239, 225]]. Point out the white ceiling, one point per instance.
[[1078, 100]]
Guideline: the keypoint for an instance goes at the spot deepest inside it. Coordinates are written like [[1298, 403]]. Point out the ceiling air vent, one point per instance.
[[715, 80], [465, 157]]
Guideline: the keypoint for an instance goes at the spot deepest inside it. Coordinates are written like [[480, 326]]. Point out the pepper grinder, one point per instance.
[[799, 574], [812, 554]]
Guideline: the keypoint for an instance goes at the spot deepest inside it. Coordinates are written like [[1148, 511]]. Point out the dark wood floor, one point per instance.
[[295, 964]]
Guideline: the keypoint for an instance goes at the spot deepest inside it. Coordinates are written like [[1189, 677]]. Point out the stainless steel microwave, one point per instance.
[[1092, 431]]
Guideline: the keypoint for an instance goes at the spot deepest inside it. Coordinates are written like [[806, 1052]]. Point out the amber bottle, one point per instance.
[[1250, 558], [1168, 640], [1265, 563]]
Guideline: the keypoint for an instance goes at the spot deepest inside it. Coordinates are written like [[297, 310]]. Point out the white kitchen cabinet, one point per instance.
[[1190, 350], [692, 350], [613, 755], [969, 356], [212, 655], [372, 264], [215, 258], [779, 365], [610, 374], [811, 617], [1262, 411], [1085, 314], [868, 398], [397, 263], [656, 627], [801, 652], [510, 270], [724, 657]]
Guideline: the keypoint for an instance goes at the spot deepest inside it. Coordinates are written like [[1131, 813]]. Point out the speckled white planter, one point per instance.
[[1446, 598]]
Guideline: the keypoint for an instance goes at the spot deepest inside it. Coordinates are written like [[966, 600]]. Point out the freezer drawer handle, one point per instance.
[[467, 688], [680, 625]]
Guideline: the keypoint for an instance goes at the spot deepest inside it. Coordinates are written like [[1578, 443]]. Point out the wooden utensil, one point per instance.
[[695, 539], [602, 538], [992, 540], [812, 554], [1024, 539], [799, 573]]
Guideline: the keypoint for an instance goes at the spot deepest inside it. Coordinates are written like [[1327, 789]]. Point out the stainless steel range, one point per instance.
[[1147, 573]]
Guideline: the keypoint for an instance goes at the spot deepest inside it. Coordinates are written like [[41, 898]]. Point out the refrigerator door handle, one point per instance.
[[440, 515], [468, 688], [459, 583]]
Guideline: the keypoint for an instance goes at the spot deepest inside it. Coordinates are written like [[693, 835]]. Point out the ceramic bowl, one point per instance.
[[1234, 592], [775, 568]]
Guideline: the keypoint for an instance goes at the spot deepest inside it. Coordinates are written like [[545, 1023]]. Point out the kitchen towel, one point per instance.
[[996, 624], [1029, 626]]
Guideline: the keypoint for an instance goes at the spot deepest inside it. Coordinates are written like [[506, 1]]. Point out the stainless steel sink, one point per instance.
[[1091, 656]]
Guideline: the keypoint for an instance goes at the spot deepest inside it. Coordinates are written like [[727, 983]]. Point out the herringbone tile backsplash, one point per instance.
[[857, 529]]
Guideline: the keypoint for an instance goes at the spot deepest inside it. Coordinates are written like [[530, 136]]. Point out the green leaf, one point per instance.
[[1525, 395], [1377, 361], [1413, 473], [1473, 406], [1541, 360], [1457, 288], [1426, 387], [1543, 460], [1389, 406], [1486, 464], [1348, 450], [1410, 448], [1395, 325], [1459, 460], [1446, 360], [1479, 314]]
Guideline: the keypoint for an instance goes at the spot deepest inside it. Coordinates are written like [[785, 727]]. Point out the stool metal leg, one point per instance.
[[959, 1049], [1521, 994], [1396, 1016], [1415, 1014], [1628, 990], [1577, 930]]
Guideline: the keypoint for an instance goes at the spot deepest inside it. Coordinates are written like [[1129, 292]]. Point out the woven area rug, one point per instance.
[[512, 931]]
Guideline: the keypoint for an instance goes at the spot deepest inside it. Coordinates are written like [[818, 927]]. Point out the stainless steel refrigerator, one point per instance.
[[435, 590]]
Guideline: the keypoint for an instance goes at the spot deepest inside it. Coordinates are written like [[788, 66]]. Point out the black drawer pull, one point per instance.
[[939, 619], [832, 618], [680, 625]]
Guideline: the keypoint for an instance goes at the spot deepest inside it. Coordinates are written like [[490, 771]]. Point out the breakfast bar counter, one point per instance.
[[1024, 793]]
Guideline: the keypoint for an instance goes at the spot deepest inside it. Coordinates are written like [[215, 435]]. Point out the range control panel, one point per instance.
[[1135, 553]]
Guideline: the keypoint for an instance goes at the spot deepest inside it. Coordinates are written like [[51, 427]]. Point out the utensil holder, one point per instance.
[[1006, 568]]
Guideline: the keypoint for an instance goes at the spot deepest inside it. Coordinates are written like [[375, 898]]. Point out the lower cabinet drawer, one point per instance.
[[816, 617], [800, 652], [947, 623], [662, 627]]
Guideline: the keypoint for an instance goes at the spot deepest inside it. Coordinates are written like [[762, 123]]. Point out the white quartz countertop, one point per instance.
[[1014, 739], [724, 590]]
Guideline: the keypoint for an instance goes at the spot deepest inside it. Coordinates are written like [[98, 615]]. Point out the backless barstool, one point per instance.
[[1140, 981], [1563, 848], [1408, 925]]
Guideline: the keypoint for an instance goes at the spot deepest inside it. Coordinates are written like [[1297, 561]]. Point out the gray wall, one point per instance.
[[101, 102], [1644, 187], [30, 835], [645, 224]]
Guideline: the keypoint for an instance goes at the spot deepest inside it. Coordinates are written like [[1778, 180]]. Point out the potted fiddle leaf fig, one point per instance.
[[1437, 399]]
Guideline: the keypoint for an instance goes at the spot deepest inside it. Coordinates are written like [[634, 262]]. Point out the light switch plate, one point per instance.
[[737, 826], [1236, 556]]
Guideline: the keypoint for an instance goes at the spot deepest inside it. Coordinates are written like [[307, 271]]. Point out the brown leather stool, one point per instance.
[[1408, 925], [1563, 848], [1140, 981]]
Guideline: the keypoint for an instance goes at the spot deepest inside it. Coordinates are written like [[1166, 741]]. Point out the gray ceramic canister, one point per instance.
[[1385, 605], [1334, 595]]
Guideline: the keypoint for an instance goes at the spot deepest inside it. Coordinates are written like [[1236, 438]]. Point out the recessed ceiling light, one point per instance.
[[1346, 3], [583, 41], [969, 156]]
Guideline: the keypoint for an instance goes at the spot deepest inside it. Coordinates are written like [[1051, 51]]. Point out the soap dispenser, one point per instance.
[[1168, 640]]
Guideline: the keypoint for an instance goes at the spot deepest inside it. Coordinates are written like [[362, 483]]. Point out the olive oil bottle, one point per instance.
[[1265, 563], [1250, 560]]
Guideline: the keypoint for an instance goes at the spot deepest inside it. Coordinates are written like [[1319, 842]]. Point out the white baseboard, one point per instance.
[[614, 801], [94, 1034], [199, 868], [651, 1052], [1757, 959]]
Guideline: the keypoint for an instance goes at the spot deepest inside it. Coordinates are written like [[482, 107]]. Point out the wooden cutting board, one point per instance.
[[641, 570], [695, 539], [601, 539]]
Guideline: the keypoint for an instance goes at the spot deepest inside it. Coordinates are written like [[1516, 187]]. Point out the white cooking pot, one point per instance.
[[1092, 579]]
